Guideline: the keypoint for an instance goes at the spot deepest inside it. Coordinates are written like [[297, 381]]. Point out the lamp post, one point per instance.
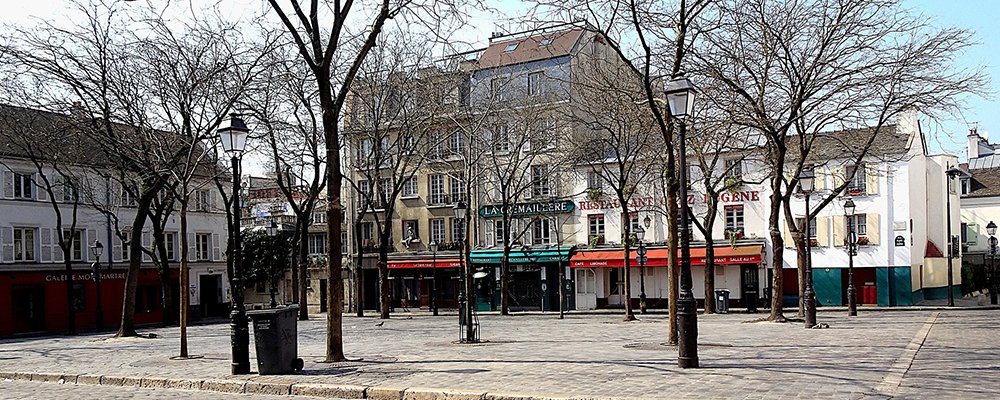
[[640, 233], [806, 186], [852, 249], [951, 173], [95, 269], [234, 139], [991, 281], [272, 231], [434, 276], [680, 99], [466, 311]]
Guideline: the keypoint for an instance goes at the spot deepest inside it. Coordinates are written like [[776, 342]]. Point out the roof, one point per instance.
[[530, 48], [985, 162], [890, 143], [984, 182]]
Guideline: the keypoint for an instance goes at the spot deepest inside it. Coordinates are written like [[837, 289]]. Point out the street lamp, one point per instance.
[[991, 281], [465, 309], [234, 140], [806, 186], [95, 269], [680, 99], [640, 233], [951, 173], [272, 231], [852, 250], [433, 245]]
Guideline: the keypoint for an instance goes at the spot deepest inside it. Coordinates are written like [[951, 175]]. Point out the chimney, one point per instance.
[[974, 139]]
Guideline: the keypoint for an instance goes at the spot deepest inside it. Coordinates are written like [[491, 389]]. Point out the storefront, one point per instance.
[[534, 278], [599, 276], [36, 301], [414, 280]]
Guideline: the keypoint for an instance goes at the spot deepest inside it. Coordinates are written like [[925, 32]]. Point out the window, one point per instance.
[[541, 231], [812, 228], [411, 229], [734, 219], [410, 187], [858, 179], [501, 139], [365, 150], [457, 143], [147, 298], [965, 186], [594, 180], [365, 189], [368, 233], [76, 247], [498, 232], [170, 240], [970, 234], [634, 222], [457, 229], [595, 230], [408, 144], [203, 200], [437, 146], [540, 181], [126, 199], [386, 192], [457, 190], [125, 238], [543, 137], [734, 168], [436, 184], [437, 230], [385, 152], [69, 187], [858, 224], [498, 85], [317, 243], [535, 83], [79, 299], [343, 244], [544, 42], [22, 186], [24, 244], [202, 243], [319, 217], [511, 47]]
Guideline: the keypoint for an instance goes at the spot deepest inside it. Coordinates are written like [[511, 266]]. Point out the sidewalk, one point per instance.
[[541, 357]]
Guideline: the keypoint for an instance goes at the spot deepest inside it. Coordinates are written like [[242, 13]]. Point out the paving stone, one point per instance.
[[267, 388], [88, 380], [329, 391], [437, 394], [223, 386]]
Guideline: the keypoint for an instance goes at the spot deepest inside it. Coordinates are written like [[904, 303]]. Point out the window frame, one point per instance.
[[203, 246], [438, 230], [596, 227], [23, 186], [735, 217], [23, 250]]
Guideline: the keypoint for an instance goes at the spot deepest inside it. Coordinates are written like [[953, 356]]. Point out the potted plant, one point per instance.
[[854, 191], [596, 240], [595, 194], [813, 242], [863, 241], [733, 183], [733, 235]]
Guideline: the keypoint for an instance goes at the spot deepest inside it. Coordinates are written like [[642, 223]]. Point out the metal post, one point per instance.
[[562, 274], [852, 302], [951, 255], [642, 277], [97, 283], [240, 331], [687, 313], [992, 280], [434, 278], [810, 293], [470, 297]]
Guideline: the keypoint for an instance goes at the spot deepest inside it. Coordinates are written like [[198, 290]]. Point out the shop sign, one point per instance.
[[637, 203], [85, 277], [900, 241], [527, 209]]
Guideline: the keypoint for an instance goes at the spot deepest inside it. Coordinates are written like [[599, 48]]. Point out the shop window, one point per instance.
[[147, 298], [79, 297]]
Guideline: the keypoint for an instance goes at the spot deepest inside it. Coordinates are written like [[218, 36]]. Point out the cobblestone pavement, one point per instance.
[[881, 354], [10, 390]]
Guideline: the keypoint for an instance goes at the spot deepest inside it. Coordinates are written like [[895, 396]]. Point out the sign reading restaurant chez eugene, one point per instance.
[[650, 201], [528, 209]]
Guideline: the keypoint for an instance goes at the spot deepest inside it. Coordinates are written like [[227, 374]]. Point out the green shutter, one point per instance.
[[971, 234]]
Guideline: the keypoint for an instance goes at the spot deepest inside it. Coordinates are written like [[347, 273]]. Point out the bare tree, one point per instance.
[[797, 69]]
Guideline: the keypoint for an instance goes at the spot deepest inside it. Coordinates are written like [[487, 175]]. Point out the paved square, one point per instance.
[[951, 353]]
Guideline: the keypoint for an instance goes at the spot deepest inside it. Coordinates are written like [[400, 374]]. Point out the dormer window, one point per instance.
[[511, 47], [965, 186], [545, 42]]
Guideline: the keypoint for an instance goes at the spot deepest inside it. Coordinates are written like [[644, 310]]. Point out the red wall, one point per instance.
[[52, 315]]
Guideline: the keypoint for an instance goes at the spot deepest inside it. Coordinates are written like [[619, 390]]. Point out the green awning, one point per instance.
[[529, 256]]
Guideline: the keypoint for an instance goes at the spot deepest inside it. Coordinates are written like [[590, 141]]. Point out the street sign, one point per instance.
[[528, 209], [642, 259], [900, 241]]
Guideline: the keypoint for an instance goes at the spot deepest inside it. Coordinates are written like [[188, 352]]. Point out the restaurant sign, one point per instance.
[[527, 209]]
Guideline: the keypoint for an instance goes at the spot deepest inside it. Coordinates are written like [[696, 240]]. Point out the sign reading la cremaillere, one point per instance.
[[527, 209]]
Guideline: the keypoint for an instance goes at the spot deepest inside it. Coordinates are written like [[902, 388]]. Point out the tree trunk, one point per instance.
[[359, 274], [334, 212], [163, 270], [127, 326], [505, 284], [303, 278], [673, 272], [185, 280], [709, 272], [801, 256], [627, 274], [383, 284], [777, 244], [68, 263]]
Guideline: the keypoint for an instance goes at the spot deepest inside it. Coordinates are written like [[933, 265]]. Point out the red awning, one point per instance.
[[425, 263], [724, 255]]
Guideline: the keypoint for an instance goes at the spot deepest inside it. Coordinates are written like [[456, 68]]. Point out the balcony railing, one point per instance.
[[443, 199]]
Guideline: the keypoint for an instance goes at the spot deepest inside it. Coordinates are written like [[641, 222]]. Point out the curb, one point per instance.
[[323, 390]]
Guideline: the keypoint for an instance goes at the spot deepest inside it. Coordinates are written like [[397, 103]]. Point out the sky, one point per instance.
[[980, 16]]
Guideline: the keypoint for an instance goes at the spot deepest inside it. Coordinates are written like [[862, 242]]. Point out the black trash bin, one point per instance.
[[275, 332], [722, 301]]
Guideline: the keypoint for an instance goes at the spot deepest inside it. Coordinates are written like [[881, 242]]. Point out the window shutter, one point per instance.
[[489, 236], [838, 180], [839, 229], [45, 238], [56, 250], [8, 193], [823, 231], [527, 183], [87, 241], [819, 182], [972, 234], [872, 225], [192, 247], [871, 179], [116, 249], [7, 242], [43, 195], [147, 240], [787, 237], [212, 196], [58, 188], [216, 253]]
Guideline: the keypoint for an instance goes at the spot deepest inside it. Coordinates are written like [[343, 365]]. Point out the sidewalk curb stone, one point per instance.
[[88, 380], [384, 393], [329, 391], [438, 394], [282, 389], [222, 386], [54, 378]]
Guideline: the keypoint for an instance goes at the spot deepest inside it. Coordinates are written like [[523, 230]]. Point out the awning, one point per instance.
[[659, 257], [528, 256], [425, 263]]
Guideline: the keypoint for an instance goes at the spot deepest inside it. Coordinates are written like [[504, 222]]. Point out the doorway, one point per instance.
[[525, 291], [28, 308], [586, 289], [210, 294], [750, 284], [322, 295]]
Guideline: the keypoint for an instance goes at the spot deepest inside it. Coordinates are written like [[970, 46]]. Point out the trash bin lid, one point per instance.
[[270, 311]]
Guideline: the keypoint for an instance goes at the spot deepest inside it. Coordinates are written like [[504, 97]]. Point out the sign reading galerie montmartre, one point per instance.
[[527, 209]]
